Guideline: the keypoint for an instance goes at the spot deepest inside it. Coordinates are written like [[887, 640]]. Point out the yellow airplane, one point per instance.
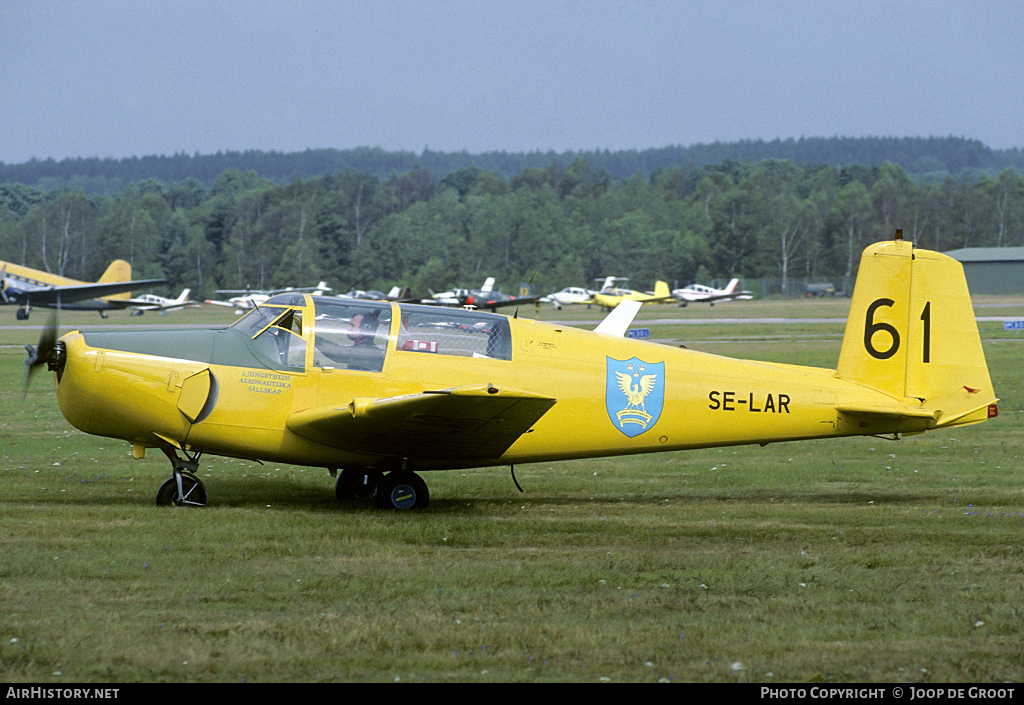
[[383, 391], [25, 286], [610, 297]]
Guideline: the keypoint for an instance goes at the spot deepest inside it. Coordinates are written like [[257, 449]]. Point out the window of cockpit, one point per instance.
[[447, 331], [350, 334], [276, 335]]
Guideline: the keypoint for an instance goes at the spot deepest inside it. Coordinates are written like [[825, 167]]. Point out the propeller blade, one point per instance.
[[40, 353]]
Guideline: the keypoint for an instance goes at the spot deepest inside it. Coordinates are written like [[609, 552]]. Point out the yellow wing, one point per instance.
[[451, 424]]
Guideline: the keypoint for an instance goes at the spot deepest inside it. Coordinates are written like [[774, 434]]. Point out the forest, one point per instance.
[[554, 224], [923, 158]]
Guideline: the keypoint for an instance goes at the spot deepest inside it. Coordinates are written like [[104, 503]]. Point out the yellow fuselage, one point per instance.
[[697, 400]]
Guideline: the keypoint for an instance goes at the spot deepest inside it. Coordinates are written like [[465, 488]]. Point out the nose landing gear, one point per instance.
[[184, 489]]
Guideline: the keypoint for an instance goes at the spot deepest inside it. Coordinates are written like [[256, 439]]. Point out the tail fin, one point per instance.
[[661, 290], [118, 271], [732, 286], [912, 335]]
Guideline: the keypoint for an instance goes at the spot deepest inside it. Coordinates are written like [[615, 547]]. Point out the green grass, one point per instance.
[[848, 560]]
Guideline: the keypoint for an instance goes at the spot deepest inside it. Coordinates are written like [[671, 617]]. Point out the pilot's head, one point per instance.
[[361, 327]]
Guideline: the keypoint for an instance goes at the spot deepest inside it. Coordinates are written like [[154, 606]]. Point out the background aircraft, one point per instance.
[[384, 390], [577, 294], [458, 297], [247, 299], [609, 298], [153, 302], [709, 294], [482, 298], [570, 295], [27, 287], [397, 293]]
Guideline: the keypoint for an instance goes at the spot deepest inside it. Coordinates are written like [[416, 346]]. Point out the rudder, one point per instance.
[[912, 334], [118, 271]]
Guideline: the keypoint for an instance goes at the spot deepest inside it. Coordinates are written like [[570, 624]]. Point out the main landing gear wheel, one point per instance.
[[357, 484], [402, 489], [192, 492]]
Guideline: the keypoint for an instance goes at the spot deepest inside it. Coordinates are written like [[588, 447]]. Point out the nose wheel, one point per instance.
[[184, 489]]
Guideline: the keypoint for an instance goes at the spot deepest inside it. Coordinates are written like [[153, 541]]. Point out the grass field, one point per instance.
[[848, 560]]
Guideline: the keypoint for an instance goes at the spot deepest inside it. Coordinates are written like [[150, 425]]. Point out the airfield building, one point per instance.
[[992, 270]]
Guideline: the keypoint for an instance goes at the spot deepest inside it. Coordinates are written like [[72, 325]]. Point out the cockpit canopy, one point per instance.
[[355, 334]]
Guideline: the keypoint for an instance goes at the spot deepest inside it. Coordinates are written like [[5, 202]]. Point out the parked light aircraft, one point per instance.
[[161, 304], [397, 293], [709, 294], [458, 297], [570, 295], [482, 298], [27, 287], [609, 298], [383, 391], [247, 299], [577, 294]]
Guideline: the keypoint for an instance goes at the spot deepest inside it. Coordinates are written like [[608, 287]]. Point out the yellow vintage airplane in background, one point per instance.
[[29, 287], [610, 297], [382, 391]]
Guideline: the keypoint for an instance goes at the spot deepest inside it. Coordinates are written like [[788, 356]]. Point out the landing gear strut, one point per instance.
[[398, 489], [184, 489]]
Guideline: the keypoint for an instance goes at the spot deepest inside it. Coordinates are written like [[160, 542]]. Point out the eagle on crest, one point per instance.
[[635, 394]]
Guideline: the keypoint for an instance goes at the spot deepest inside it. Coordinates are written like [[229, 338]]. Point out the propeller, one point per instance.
[[43, 352]]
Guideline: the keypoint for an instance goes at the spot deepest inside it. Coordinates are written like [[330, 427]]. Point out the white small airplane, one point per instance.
[[248, 299], [161, 304], [571, 295], [710, 295]]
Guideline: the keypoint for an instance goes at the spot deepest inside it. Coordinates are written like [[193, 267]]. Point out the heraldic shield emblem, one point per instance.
[[634, 394]]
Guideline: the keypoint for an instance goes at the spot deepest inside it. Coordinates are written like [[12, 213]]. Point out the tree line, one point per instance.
[[923, 158], [557, 225]]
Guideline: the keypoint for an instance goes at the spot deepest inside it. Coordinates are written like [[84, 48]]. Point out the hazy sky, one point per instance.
[[116, 78]]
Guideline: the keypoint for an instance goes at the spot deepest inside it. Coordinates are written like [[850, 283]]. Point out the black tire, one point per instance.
[[402, 490], [356, 484], [195, 492]]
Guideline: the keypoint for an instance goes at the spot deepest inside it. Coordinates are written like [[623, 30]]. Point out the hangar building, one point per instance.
[[992, 270]]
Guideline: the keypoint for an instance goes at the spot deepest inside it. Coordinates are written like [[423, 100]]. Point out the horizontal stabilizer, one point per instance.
[[889, 411]]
